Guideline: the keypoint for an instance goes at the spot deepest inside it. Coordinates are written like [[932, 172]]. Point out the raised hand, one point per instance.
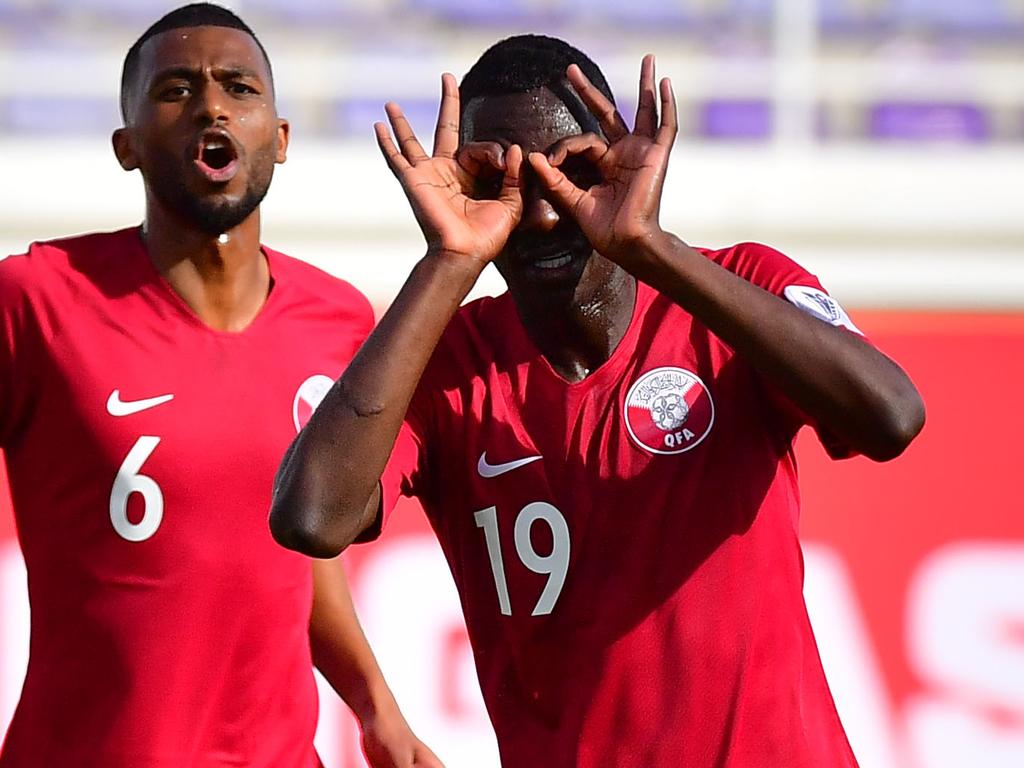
[[440, 186], [623, 209]]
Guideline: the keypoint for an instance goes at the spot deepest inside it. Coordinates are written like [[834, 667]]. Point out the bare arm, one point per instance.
[[328, 487], [843, 383], [343, 656]]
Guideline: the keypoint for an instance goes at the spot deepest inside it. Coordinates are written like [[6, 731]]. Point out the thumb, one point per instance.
[[511, 194], [565, 193]]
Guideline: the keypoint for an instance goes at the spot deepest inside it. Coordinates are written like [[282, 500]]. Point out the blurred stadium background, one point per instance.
[[878, 142]]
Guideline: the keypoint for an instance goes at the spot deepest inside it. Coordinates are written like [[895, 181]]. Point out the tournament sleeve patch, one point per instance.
[[819, 304]]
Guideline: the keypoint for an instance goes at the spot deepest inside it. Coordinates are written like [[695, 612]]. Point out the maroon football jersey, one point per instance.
[[168, 629], [625, 547]]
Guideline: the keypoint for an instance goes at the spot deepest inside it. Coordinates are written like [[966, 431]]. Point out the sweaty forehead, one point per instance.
[[201, 48], [534, 120]]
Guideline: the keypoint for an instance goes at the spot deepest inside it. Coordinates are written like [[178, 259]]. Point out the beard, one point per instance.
[[212, 214]]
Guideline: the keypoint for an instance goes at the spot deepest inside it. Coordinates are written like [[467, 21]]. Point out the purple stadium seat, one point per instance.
[[27, 17], [736, 120], [58, 116], [683, 14], [307, 12], [855, 17], [355, 117], [486, 12], [915, 121], [120, 11], [639, 13], [982, 17]]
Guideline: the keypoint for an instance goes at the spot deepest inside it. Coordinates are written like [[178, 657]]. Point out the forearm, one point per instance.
[[843, 383], [327, 486], [340, 649]]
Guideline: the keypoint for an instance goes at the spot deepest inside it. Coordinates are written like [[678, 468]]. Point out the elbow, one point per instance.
[[301, 517], [319, 527], [901, 421], [303, 533]]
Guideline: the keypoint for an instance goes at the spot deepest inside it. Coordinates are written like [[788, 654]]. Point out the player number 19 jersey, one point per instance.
[[625, 547]]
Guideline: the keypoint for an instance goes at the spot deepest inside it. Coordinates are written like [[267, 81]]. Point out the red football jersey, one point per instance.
[[625, 547], [168, 629]]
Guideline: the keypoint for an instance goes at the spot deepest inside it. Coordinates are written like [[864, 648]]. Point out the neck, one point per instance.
[[223, 278], [579, 334]]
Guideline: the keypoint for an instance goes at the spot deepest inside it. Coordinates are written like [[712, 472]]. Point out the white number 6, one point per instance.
[[555, 564], [129, 481]]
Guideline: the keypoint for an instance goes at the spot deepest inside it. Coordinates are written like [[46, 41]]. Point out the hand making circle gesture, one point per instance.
[[440, 186], [623, 210]]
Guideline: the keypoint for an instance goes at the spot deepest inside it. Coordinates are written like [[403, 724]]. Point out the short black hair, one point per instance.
[[192, 15], [524, 62]]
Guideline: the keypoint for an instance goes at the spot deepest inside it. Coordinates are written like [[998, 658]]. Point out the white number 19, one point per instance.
[[555, 564]]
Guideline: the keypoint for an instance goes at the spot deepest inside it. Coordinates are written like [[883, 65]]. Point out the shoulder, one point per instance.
[[480, 335], [57, 262], [762, 265], [748, 257], [321, 288], [482, 325], [775, 272]]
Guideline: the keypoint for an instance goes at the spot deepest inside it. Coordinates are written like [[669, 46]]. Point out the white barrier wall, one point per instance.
[[939, 227]]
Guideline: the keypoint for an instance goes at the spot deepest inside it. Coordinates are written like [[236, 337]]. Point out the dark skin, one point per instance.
[[328, 487], [195, 85]]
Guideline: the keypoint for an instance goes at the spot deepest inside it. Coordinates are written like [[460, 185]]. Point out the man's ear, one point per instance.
[[283, 132], [124, 149]]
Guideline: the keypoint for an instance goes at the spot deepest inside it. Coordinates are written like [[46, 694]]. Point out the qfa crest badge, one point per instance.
[[308, 397], [669, 410]]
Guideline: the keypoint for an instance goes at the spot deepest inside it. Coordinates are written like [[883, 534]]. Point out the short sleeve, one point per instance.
[[770, 269], [365, 320], [406, 473], [773, 271], [15, 309]]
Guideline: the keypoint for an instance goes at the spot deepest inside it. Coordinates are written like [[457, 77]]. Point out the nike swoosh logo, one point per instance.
[[493, 470], [118, 407]]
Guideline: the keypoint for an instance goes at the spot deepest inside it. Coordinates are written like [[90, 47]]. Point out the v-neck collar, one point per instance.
[[181, 307]]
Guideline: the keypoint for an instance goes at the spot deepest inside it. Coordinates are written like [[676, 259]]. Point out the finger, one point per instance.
[[511, 194], [565, 193], [666, 135], [406, 138], [646, 105], [446, 134], [607, 115], [480, 156], [394, 158], [589, 145]]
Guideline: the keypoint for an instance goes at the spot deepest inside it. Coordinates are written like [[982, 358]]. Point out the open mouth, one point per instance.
[[216, 156]]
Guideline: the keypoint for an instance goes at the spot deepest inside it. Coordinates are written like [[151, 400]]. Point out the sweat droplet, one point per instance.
[[223, 238]]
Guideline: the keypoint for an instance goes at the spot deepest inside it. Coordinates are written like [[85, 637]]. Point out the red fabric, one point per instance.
[[189, 647], [679, 635]]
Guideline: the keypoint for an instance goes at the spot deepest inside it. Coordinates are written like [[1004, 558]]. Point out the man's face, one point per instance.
[[202, 125], [547, 251]]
